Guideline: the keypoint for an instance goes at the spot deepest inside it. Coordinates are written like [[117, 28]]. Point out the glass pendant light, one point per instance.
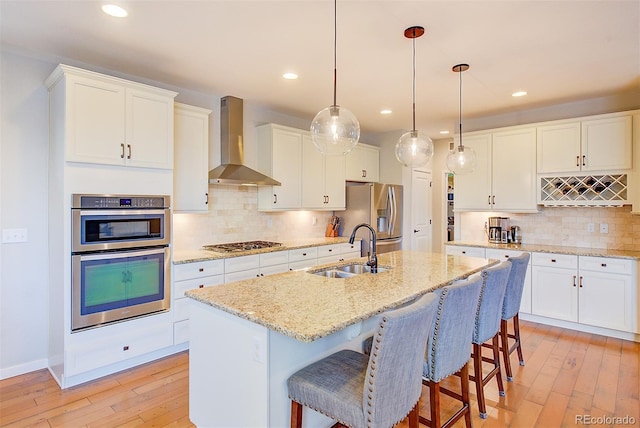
[[414, 149], [461, 160], [335, 130]]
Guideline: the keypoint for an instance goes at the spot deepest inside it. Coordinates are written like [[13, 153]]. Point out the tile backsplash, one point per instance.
[[566, 226], [233, 216]]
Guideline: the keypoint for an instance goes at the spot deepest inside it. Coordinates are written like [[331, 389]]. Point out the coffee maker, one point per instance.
[[497, 225]]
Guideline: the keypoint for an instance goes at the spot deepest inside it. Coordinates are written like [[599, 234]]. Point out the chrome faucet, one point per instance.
[[372, 257]]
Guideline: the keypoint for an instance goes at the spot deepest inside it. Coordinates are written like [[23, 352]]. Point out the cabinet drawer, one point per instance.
[[107, 350], [605, 264], [274, 258], [241, 275], [500, 254], [274, 269], [302, 264], [197, 269], [453, 250], [350, 248], [303, 254], [554, 260], [180, 287], [329, 250], [236, 264]]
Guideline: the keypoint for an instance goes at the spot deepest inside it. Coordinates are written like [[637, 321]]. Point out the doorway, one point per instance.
[[421, 223]]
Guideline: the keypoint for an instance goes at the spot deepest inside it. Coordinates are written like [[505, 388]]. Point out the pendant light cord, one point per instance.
[[460, 108], [335, 48], [414, 80]]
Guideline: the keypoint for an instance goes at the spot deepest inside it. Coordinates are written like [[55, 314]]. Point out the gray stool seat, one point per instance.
[[378, 390]]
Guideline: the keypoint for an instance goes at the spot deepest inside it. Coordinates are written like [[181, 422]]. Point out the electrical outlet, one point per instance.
[[591, 228], [10, 236], [604, 228]]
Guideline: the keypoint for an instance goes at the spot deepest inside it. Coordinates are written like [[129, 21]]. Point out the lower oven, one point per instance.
[[120, 260]]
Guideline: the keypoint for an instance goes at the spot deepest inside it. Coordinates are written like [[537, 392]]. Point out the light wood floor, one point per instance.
[[567, 373]]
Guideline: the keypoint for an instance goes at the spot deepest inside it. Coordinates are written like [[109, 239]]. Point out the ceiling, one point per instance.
[[557, 51]]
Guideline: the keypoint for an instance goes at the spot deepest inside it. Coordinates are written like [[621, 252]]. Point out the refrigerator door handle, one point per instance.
[[392, 215]]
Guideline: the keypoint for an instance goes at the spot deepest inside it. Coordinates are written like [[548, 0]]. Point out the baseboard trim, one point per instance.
[[23, 368], [581, 327]]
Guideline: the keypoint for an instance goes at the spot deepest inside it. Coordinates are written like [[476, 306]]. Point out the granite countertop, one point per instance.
[[308, 307], [556, 249], [190, 256]]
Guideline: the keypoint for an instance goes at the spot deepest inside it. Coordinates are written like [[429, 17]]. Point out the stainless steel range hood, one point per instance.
[[233, 170]]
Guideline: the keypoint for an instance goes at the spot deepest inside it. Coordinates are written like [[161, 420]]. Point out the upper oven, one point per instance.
[[110, 222]]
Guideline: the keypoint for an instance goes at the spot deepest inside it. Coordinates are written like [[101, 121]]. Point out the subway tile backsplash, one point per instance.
[[566, 226], [233, 216]]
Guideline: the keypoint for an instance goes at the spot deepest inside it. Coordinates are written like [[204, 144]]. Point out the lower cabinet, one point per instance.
[[500, 254], [594, 291], [186, 277], [457, 250]]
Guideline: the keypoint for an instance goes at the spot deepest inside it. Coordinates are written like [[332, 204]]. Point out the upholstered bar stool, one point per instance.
[[379, 390], [486, 329], [448, 346], [511, 309]]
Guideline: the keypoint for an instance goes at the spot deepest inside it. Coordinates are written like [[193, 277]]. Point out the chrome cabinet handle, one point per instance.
[[122, 151]]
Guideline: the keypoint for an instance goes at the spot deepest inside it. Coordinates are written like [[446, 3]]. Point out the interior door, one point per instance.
[[420, 210]]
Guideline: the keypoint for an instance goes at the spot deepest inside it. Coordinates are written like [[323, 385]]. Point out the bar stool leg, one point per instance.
[[505, 349], [516, 331]]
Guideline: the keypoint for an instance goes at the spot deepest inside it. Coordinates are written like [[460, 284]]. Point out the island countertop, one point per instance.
[[307, 307]]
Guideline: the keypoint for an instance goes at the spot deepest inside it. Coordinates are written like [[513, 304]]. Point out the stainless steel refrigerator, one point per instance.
[[379, 205]]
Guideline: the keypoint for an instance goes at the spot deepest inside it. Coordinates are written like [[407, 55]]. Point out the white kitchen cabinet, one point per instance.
[[273, 263], [280, 157], [329, 254], [240, 268], [188, 276], [191, 159], [323, 179], [350, 251], [113, 121], [459, 250], [363, 164], [607, 293], [503, 255], [594, 291], [599, 143], [302, 258], [505, 176]]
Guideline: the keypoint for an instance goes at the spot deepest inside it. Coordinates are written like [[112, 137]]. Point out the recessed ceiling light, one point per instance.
[[519, 94], [386, 111], [444, 132], [290, 76], [114, 10]]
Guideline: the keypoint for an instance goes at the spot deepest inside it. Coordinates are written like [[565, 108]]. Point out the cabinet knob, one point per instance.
[[125, 348], [201, 286], [304, 254], [200, 269], [330, 249], [416, 230], [553, 260], [506, 256], [603, 264], [464, 252]]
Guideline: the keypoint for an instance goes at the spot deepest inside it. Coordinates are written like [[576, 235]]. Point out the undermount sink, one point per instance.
[[345, 271]]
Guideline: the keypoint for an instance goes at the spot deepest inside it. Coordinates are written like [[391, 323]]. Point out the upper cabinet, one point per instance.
[[505, 177], [310, 180], [279, 157], [601, 144], [363, 164], [191, 159], [323, 179], [112, 121]]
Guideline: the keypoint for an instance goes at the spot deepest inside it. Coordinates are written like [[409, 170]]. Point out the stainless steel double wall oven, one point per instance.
[[120, 257]]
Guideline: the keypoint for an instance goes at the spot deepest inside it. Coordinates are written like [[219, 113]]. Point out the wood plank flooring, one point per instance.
[[567, 374]]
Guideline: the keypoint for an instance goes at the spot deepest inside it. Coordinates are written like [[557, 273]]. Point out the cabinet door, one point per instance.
[[606, 300], [473, 191], [334, 182], [606, 144], [558, 148], [313, 188], [371, 163], [513, 156], [456, 250], [149, 129], [280, 158], [353, 165], [96, 119], [191, 159], [554, 293]]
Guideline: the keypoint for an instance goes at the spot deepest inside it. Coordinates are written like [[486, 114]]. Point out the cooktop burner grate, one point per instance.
[[241, 246]]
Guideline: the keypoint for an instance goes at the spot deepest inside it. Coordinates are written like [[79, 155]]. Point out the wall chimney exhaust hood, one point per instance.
[[233, 170]]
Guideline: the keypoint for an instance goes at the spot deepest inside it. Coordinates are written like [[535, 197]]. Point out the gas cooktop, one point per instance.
[[241, 246]]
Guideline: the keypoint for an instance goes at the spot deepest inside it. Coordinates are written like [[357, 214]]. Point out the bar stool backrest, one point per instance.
[[515, 285]]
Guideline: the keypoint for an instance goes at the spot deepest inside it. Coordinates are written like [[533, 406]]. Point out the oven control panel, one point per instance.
[[119, 202]]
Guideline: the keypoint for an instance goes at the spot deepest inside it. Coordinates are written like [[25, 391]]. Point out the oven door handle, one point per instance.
[[120, 254], [122, 212]]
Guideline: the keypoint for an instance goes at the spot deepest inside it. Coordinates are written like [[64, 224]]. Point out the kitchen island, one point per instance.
[[248, 337]]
